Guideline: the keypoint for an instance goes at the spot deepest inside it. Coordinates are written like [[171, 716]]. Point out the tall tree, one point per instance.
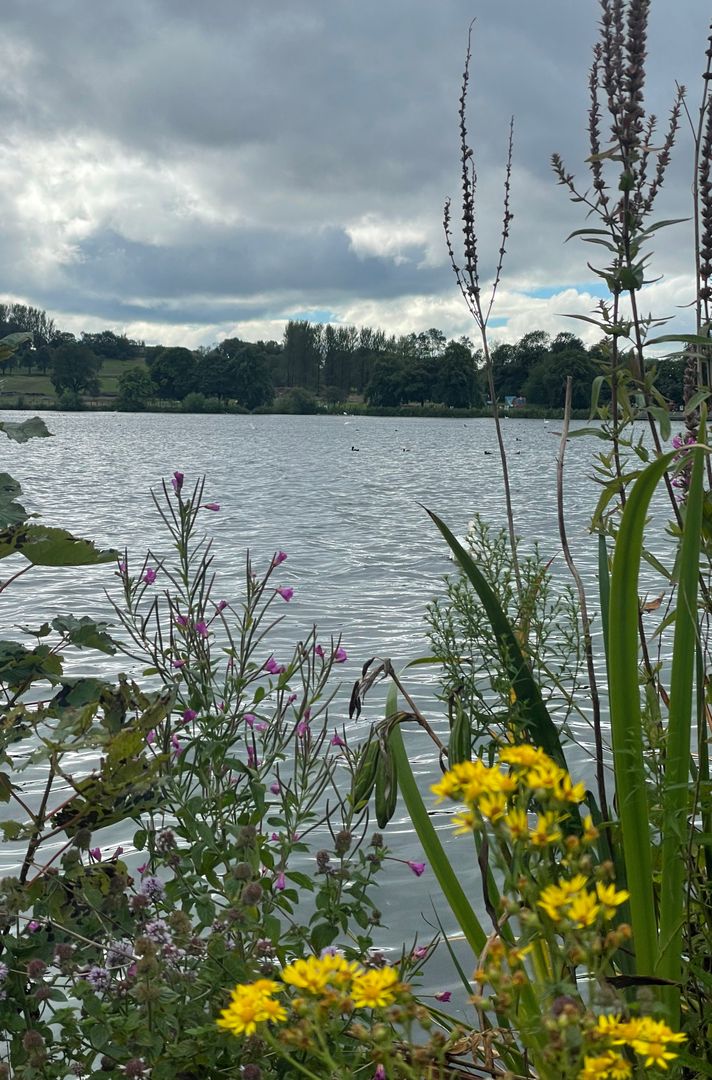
[[75, 368], [173, 372]]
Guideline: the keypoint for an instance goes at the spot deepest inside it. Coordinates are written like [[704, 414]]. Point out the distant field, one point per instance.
[[37, 389]]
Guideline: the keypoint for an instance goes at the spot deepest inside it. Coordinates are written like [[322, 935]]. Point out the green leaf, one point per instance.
[[45, 546], [85, 633], [11, 511], [77, 693], [20, 666], [322, 936], [33, 428]]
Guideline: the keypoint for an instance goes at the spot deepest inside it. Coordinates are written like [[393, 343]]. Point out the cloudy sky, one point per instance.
[[188, 171]]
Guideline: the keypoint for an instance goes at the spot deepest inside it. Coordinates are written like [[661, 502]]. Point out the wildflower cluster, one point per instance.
[[649, 1039]]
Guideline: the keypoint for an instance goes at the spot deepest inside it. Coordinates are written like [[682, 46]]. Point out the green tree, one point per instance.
[[173, 372], [135, 389], [75, 368], [386, 386], [456, 383]]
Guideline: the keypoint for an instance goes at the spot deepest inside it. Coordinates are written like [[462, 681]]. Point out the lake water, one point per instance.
[[343, 496]]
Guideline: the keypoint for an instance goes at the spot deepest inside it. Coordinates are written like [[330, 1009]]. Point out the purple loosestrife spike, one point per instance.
[[279, 558], [150, 576], [177, 482], [418, 868], [211, 506], [285, 592], [444, 995], [280, 882], [340, 656]]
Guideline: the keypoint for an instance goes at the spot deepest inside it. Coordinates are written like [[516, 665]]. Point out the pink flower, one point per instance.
[[444, 995], [201, 628], [122, 568], [150, 576], [276, 788], [178, 663], [418, 868], [189, 715], [142, 868], [249, 719], [33, 925], [336, 740], [280, 882], [261, 725], [340, 656], [181, 620], [319, 651], [285, 592], [175, 743], [419, 952], [279, 558], [211, 506], [291, 699], [221, 606], [151, 737], [380, 1073], [273, 667], [303, 728], [274, 836], [177, 482], [95, 853], [119, 851]]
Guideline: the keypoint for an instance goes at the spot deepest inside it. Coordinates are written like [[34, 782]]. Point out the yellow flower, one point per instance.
[[546, 830], [551, 900], [610, 899], [316, 972], [517, 822], [608, 1066], [251, 1005], [375, 988], [556, 900], [493, 806], [590, 832], [583, 909], [521, 755], [649, 1038], [464, 822]]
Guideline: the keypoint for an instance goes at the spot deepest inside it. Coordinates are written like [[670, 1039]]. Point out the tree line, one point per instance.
[[315, 363]]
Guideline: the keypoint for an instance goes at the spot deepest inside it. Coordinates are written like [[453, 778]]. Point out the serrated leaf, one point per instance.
[[33, 428], [77, 693], [85, 633], [43, 545], [11, 511], [19, 665]]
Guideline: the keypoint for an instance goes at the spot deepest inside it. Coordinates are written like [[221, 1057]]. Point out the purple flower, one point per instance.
[[274, 836], [201, 628], [181, 620], [189, 715], [99, 978], [211, 506], [178, 664], [340, 656], [280, 882], [150, 737], [291, 699], [444, 995], [336, 740], [273, 667], [380, 1073], [249, 719], [142, 868], [122, 568], [153, 888], [285, 592], [222, 605], [279, 558], [150, 576], [119, 851], [319, 651], [95, 853], [419, 952], [159, 932], [33, 925], [177, 482], [261, 725], [303, 728], [175, 743], [418, 868], [276, 788]]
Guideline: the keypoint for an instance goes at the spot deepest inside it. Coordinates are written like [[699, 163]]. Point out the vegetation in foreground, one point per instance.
[[246, 942]]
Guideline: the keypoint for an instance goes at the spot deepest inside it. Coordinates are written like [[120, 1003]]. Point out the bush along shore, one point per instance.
[[240, 935]]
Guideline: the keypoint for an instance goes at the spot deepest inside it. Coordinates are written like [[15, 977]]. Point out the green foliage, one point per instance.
[[136, 389], [75, 368]]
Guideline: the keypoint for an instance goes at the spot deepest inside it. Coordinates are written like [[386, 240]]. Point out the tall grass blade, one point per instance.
[[676, 787], [626, 719], [541, 728]]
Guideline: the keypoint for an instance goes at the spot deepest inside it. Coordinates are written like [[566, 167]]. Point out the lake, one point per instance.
[[344, 497]]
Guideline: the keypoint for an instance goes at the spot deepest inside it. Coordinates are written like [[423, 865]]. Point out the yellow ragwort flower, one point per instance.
[[517, 822], [317, 972], [375, 988], [608, 1066], [464, 822], [610, 899], [546, 831], [523, 755], [590, 832], [583, 910], [493, 805], [250, 1005]]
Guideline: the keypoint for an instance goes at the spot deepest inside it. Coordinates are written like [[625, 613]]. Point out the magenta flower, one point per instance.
[[418, 868], [380, 1073], [95, 853], [279, 558], [150, 576], [444, 995], [303, 728], [151, 737], [189, 715], [336, 740], [319, 651], [122, 568], [175, 743], [274, 836], [221, 606], [142, 868], [33, 925], [201, 628], [340, 656], [178, 664], [419, 952], [291, 699], [261, 725], [273, 667], [280, 882], [181, 620], [249, 719], [177, 482], [285, 592], [211, 506], [276, 788], [119, 851]]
